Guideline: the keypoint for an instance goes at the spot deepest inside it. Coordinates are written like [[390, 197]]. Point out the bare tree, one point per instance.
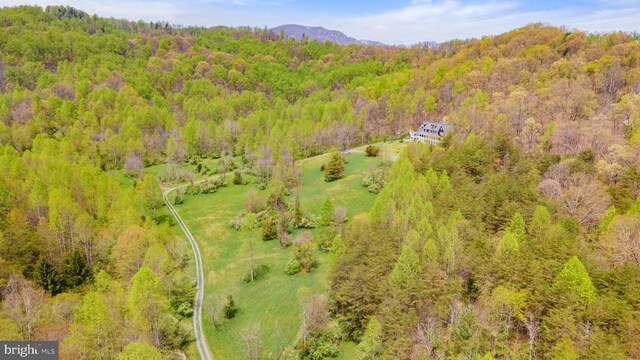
[[133, 164], [584, 198], [251, 343], [315, 315], [624, 240], [23, 304], [533, 329]]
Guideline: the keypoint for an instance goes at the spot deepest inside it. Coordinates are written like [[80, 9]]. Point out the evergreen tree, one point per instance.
[[541, 220], [326, 213], [337, 246], [334, 169], [47, 277], [371, 344], [516, 226], [573, 285], [508, 245], [76, 270]]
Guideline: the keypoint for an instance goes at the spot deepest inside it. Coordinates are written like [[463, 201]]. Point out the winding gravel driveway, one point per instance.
[[201, 341]]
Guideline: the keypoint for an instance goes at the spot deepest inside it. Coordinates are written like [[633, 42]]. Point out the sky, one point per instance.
[[394, 22]]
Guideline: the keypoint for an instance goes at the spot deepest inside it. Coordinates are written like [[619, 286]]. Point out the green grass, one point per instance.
[[274, 301]]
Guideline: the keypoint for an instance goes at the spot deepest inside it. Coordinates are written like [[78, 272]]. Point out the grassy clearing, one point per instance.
[[272, 303], [159, 170]]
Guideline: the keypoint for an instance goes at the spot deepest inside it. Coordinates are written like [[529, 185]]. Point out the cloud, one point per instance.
[[435, 20]]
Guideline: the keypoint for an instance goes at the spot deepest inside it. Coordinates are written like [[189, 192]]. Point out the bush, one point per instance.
[[269, 228], [229, 309], [372, 150], [238, 179], [307, 222], [284, 239], [192, 190], [185, 310], [211, 186], [374, 181], [293, 267], [178, 200], [303, 253], [236, 223]]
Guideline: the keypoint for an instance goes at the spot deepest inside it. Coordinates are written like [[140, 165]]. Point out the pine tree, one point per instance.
[[508, 245], [326, 213], [334, 169], [516, 226], [541, 220], [47, 277], [371, 344], [337, 246], [76, 270], [573, 285]]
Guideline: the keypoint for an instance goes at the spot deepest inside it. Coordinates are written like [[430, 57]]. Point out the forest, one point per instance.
[[518, 237]]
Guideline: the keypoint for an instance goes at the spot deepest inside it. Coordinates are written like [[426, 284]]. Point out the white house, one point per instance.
[[430, 132]]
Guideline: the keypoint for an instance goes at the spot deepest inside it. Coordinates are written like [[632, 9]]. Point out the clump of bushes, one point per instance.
[[238, 179], [372, 150], [374, 181], [303, 258], [205, 187]]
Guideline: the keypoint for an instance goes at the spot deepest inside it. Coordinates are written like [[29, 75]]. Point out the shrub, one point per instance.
[[229, 309], [236, 223], [238, 179], [293, 267], [178, 200], [192, 190], [372, 150], [374, 181], [303, 253], [307, 222], [284, 239], [269, 228], [211, 186]]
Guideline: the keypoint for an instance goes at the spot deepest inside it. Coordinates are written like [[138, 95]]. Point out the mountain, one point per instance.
[[321, 34]]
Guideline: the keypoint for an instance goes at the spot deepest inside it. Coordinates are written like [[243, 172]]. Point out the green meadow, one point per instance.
[[272, 303]]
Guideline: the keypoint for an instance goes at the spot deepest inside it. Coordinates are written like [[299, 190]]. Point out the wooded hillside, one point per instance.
[[519, 237]]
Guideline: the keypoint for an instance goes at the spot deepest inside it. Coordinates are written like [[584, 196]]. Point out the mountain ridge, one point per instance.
[[319, 33]]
